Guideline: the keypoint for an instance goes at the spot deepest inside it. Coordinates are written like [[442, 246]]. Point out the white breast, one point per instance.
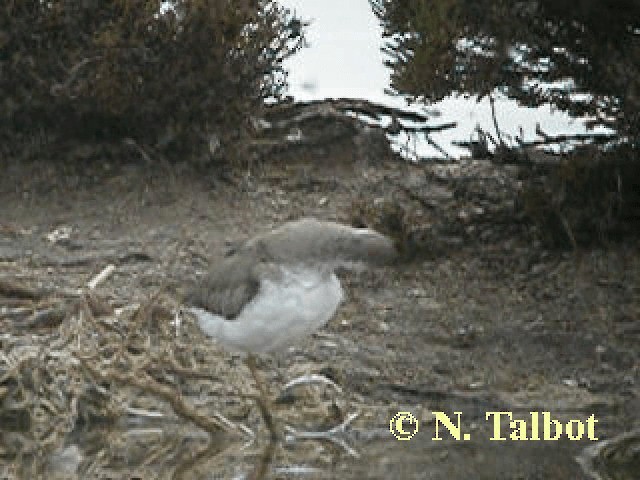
[[288, 307]]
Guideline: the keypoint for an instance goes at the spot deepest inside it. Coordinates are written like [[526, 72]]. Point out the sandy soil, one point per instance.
[[480, 326]]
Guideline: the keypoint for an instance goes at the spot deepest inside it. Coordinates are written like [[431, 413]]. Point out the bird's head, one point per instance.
[[364, 245]]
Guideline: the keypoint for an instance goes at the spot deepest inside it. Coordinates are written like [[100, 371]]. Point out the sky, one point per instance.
[[344, 57], [344, 60]]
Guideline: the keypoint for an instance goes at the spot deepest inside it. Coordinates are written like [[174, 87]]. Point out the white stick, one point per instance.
[[101, 277]]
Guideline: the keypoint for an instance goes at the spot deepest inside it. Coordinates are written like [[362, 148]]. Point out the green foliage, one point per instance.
[[474, 46], [580, 56], [108, 69]]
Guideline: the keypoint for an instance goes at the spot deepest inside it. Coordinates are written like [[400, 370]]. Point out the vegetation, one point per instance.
[[582, 57], [165, 78]]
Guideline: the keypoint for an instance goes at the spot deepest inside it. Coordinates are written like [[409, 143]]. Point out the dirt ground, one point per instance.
[[497, 325]]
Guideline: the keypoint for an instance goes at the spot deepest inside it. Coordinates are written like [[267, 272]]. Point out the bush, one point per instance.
[[590, 196], [104, 70]]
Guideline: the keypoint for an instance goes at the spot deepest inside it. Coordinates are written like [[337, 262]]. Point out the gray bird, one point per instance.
[[281, 286]]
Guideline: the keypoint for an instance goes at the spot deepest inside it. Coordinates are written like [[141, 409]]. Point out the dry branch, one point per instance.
[[144, 382], [14, 289]]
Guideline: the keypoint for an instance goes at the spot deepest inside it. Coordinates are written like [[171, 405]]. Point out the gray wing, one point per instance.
[[230, 285]]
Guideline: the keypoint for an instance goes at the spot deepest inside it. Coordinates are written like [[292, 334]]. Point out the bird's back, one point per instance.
[[306, 243]]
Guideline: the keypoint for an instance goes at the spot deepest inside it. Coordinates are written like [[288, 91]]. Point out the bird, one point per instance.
[[281, 286]]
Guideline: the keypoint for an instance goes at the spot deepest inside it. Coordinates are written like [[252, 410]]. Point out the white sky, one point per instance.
[[344, 60]]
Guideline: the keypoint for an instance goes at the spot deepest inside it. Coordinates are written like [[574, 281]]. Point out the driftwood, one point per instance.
[[340, 106], [284, 123]]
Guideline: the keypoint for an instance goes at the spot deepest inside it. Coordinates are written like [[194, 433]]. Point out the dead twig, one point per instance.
[[568, 231], [101, 277], [492, 102], [57, 89], [141, 380], [431, 142], [14, 289]]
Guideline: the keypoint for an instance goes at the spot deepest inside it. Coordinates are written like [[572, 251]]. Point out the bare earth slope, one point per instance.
[[473, 327]]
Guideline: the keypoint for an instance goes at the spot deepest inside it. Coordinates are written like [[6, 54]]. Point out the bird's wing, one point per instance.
[[226, 290]]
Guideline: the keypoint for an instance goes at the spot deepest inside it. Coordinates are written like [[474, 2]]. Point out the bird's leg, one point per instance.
[[262, 399]]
